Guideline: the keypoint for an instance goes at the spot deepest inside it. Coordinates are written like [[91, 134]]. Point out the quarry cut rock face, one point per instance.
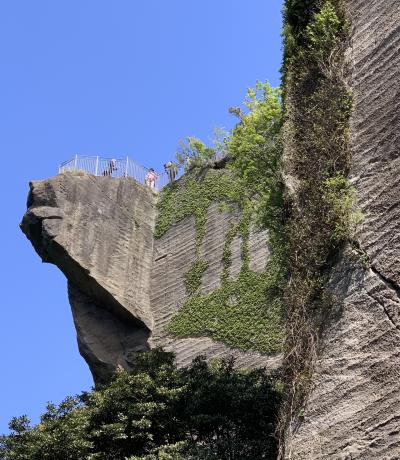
[[124, 285], [353, 410]]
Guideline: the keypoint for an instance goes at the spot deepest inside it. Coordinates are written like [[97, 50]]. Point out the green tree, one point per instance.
[[193, 152], [204, 411], [231, 412], [136, 413], [255, 146], [61, 434]]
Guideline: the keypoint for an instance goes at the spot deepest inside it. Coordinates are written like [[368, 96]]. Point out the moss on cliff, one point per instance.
[[235, 313]]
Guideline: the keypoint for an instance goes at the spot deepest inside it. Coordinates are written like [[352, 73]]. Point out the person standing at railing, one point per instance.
[[171, 170], [150, 179], [111, 167]]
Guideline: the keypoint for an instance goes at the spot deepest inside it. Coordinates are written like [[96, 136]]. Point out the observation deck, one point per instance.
[[115, 167]]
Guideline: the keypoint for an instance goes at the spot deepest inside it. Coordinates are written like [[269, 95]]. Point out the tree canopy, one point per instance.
[[204, 411]]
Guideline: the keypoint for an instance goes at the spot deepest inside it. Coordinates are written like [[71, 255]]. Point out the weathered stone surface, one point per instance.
[[258, 249], [353, 411], [125, 286], [174, 256], [104, 339], [99, 232]]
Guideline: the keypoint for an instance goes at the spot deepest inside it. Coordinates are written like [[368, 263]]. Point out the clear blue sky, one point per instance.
[[111, 78]]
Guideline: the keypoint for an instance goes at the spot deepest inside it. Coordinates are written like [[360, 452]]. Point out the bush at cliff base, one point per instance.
[[204, 411]]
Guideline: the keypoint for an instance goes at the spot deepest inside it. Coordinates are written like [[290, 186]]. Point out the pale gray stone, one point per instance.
[[353, 411], [124, 285]]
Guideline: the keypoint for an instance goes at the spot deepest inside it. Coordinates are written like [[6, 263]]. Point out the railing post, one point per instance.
[[76, 161], [126, 167], [97, 166]]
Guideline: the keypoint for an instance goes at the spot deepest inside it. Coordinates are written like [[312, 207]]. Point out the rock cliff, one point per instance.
[[353, 409], [136, 283], [124, 285]]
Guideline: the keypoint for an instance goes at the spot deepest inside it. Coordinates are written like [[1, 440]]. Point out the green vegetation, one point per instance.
[[253, 171], [205, 411], [256, 150], [320, 203], [254, 145], [245, 313], [341, 200], [193, 152], [194, 275], [238, 314], [193, 194]]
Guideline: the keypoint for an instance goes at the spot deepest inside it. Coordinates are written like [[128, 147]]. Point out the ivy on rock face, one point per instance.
[[194, 275], [246, 312], [193, 194], [238, 313]]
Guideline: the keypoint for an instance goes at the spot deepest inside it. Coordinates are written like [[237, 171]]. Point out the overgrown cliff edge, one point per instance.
[[286, 257], [125, 285], [346, 336]]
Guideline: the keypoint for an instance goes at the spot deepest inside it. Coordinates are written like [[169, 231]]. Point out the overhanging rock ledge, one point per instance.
[[124, 285]]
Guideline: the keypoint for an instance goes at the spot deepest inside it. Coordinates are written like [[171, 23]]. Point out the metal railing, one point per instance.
[[113, 167], [126, 167]]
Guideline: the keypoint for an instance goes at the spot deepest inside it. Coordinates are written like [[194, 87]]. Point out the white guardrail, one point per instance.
[[114, 167]]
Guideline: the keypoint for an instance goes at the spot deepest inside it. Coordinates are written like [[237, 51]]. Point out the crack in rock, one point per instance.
[[390, 284]]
